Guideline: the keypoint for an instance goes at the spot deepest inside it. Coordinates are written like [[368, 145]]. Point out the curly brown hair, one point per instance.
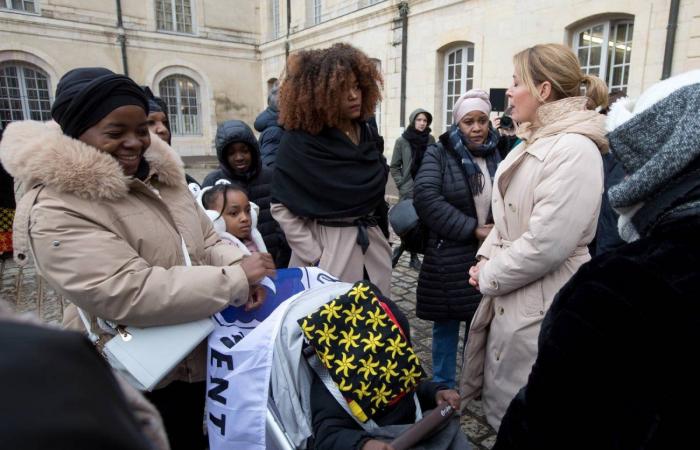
[[316, 79]]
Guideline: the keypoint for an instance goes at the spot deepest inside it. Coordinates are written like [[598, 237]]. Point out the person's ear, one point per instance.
[[545, 90]]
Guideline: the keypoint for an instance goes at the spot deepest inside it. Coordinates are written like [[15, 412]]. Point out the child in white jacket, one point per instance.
[[235, 218]]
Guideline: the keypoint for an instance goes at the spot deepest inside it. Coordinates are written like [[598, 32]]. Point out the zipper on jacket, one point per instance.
[[439, 244]]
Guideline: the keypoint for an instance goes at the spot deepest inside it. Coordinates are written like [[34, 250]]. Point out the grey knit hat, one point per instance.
[[655, 138]]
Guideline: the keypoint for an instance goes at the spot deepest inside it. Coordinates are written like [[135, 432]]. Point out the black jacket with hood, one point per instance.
[[270, 135], [256, 182]]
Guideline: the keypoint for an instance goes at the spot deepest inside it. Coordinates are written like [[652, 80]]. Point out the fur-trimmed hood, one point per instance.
[[39, 153]]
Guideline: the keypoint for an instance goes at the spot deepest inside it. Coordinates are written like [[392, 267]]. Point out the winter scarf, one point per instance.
[[326, 176], [85, 96], [418, 140], [486, 150]]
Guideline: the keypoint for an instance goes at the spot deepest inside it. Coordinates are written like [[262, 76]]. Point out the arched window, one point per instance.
[[604, 49], [458, 78], [181, 94], [24, 93]]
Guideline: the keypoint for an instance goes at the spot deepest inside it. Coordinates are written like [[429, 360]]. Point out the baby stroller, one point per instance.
[[284, 378]]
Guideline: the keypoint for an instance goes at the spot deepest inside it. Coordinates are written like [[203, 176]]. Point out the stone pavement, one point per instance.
[[25, 290]]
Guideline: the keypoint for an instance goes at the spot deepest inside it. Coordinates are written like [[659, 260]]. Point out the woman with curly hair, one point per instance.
[[330, 174]]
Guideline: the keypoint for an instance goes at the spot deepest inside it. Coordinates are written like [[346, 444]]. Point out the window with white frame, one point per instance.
[[24, 93], [459, 77], [275, 18], [317, 11], [605, 49], [19, 5], [174, 15], [181, 94]]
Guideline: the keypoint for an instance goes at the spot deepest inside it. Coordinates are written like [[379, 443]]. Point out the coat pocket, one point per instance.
[[534, 299]]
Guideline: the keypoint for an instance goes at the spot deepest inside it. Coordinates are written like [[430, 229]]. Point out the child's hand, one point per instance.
[[448, 396], [256, 298]]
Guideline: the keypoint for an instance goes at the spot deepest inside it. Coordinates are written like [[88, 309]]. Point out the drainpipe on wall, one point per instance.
[[122, 38], [289, 26], [403, 13], [670, 38]]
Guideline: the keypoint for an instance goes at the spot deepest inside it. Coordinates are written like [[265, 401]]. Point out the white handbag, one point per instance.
[[144, 356]]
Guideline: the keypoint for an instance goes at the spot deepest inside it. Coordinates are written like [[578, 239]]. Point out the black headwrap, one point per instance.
[[85, 96], [157, 104]]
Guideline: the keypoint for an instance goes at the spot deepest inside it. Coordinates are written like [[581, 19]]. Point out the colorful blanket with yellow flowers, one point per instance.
[[367, 354]]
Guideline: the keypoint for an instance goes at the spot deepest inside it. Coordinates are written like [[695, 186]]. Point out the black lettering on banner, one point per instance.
[[221, 358], [215, 391], [219, 423]]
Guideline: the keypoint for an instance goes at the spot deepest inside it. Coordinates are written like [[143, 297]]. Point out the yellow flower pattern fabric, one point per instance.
[[358, 341]]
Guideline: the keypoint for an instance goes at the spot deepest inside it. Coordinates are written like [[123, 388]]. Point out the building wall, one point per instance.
[[234, 54], [220, 55], [497, 31]]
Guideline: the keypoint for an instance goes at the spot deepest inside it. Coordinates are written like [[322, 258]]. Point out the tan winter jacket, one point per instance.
[[111, 243], [546, 199]]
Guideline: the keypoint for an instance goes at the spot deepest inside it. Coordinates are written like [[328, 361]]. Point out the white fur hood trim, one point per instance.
[[39, 153]]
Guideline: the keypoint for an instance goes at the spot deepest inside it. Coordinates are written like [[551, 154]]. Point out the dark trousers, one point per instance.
[[182, 406]]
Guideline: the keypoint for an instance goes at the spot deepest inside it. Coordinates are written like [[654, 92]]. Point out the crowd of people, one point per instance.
[[564, 351]]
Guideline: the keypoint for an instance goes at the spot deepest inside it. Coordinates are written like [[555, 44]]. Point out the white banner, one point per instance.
[[238, 370]]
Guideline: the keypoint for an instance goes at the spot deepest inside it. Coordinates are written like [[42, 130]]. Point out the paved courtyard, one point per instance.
[[28, 293]]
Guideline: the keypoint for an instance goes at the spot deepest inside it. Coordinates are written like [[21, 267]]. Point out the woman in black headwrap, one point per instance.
[[159, 124], [111, 219], [330, 172]]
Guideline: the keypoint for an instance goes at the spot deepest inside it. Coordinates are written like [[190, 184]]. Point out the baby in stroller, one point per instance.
[[377, 319]]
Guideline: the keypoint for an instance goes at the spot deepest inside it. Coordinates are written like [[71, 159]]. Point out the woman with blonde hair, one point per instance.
[[546, 198]]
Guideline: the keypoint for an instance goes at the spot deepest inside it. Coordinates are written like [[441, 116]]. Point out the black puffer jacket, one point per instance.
[[256, 182], [445, 204], [270, 135], [613, 368]]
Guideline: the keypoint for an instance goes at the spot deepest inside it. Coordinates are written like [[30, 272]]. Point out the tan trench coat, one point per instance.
[[546, 199], [336, 248], [110, 243]]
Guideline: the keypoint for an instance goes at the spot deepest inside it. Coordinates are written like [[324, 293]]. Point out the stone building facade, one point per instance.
[[216, 59]]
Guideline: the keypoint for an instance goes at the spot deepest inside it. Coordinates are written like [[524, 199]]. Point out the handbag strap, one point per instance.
[[94, 338]]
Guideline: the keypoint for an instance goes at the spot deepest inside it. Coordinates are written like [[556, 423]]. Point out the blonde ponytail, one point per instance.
[[596, 90], [557, 64]]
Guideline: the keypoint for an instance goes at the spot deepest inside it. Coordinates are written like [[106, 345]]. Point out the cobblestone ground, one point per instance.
[[28, 293]]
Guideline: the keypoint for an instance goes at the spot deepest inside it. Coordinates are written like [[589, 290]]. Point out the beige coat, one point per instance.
[[546, 199], [336, 248], [111, 243]]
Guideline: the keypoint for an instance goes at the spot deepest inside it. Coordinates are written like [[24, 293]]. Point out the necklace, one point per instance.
[[353, 135]]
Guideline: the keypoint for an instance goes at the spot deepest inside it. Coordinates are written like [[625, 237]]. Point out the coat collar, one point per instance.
[[568, 115], [39, 153]]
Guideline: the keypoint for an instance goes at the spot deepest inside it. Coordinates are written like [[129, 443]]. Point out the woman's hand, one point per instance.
[[375, 444], [483, 231], [258, 266], [448, 396], [256, 298], [474, 273]]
